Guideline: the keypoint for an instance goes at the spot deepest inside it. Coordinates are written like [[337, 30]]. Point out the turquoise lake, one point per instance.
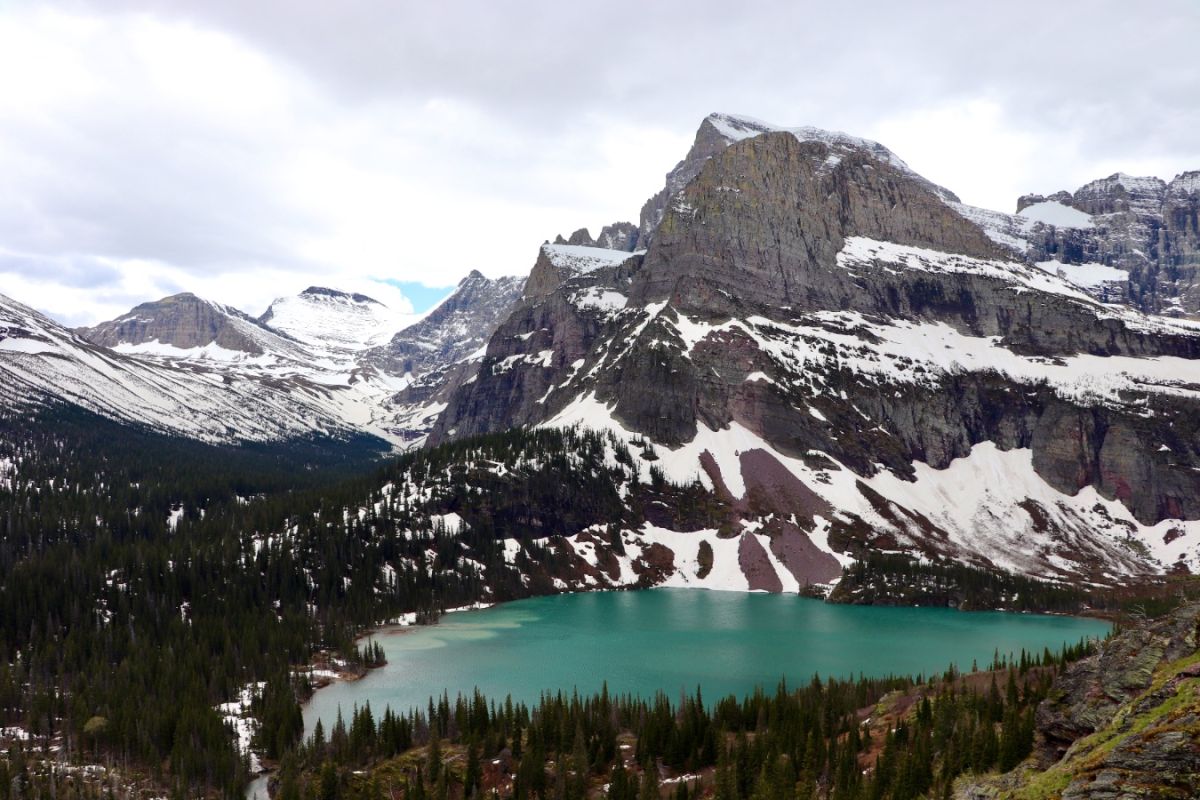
[[676, 639]]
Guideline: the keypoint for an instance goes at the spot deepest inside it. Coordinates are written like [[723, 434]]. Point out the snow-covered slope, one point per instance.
[[577, 259], [344, 360], [333, 320], [41, 361], [1052, 212]]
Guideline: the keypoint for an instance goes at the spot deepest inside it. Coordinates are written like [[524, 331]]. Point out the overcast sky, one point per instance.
[[244, 150]]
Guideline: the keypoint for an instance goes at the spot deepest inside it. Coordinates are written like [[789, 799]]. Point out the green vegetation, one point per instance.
[[1169, 703], [902, 580]]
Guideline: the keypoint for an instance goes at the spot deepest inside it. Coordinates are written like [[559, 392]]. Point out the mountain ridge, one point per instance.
[[805, 306], [757, 308]]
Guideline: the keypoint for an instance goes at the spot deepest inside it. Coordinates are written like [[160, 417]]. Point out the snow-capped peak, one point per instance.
[[335, 320], [737, 127]]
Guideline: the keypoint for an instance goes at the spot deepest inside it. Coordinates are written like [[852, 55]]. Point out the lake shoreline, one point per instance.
[[407, 625], [329, 670], [988, 628]]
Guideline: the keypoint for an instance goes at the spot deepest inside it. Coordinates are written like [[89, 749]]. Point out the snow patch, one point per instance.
[[1052, 212]]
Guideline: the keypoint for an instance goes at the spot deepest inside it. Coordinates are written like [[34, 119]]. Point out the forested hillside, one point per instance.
[[145, 580]]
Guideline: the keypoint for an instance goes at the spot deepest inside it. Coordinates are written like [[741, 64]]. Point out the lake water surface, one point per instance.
[[675, 639]]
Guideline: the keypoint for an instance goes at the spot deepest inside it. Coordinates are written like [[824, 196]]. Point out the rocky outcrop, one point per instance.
[[623, 236], [1119, 725], [1144, 226], [184, 321]]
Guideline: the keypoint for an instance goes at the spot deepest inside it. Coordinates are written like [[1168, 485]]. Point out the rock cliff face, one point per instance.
[[806, 294], [184, 321], [1120, 724], [1143, 228], [436, 355]]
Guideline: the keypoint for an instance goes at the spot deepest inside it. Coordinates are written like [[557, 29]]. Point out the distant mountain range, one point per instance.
[[317, 364], [839, 353]]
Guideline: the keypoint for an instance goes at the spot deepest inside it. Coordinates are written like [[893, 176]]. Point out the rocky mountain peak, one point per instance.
[[335, 294], [810, 309], [1123, 238], [455, 328], [437, 354], [623, 236], [719, 131], [709, 141], [1185, 185], [1121, 193], [764, 220], [334, 320], [183, 321]]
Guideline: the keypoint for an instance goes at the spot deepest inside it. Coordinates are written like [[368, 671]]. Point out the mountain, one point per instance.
[[44, 363], [842, 357], [344, 361], [178, 324], [440, 352], [833, 346], [1125, 239], [333, 320]]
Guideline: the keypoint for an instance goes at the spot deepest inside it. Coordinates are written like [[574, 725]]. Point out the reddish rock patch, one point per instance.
[[756, 566], [656, 564], [713, 471], [807, 563], [772, 488]]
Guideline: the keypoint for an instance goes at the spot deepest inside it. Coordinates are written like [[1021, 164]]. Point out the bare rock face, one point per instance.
[[1144, 226], [623, 236], [1119, 725], [764, 221], [581, 238], [708, 143], [1140, 691], [456, 328], [182, 320]]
